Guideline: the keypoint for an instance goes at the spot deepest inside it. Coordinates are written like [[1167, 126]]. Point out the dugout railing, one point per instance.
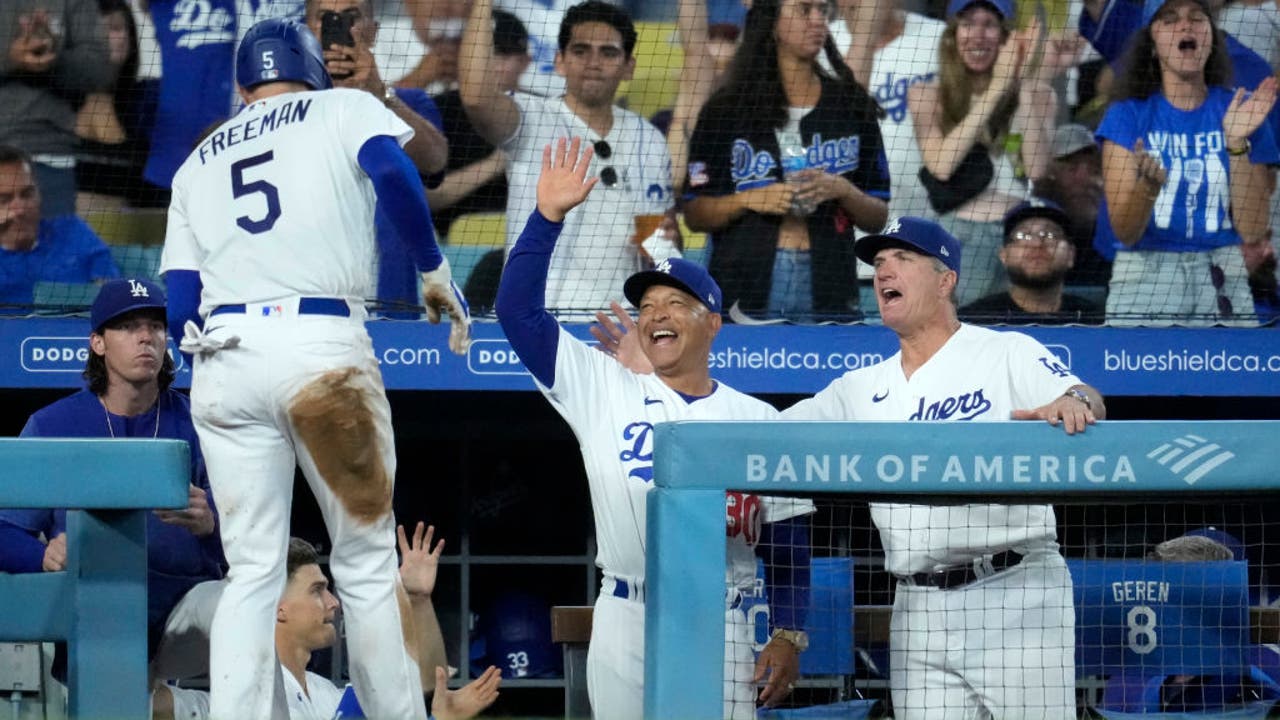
[[696, 462], [99, 603]]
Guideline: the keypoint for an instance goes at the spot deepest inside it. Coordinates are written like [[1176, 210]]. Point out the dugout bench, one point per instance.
[[99, 604]]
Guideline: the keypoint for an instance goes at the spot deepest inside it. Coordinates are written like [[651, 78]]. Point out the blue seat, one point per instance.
[[1139, 622]]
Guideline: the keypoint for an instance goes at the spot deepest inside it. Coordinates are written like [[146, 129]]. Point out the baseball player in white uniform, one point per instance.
[[983, 623], [271, 234], [613, 411], [596, 252]]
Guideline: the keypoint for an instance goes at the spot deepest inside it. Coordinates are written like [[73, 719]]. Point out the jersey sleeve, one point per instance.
[[528, 135], [872, 174], [362, 116], [181, 252], [1038, 376], [710, 156], [1120, 125]]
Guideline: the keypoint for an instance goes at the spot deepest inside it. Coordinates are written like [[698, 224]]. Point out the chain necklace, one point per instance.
[[154, 433]]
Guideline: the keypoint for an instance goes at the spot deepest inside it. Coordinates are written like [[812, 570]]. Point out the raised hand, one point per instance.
[[1245, 114], [563, 184], [620, 340], [419, 562], [468, 700]]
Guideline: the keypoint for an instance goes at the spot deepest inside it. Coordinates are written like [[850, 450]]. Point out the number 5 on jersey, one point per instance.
[[240, 189]]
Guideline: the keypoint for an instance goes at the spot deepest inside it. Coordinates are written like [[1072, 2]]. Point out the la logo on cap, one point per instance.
[[943, 251], [137, 289], [664, 267], [894, 226]]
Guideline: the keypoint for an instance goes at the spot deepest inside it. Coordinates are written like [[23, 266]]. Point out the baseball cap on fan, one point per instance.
[[1151, 8], [677, 273], [913, 233], [1003, 8], [117, 297]]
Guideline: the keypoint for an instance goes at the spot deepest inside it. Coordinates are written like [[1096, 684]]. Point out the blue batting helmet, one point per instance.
[[514, 633], [281, 50]]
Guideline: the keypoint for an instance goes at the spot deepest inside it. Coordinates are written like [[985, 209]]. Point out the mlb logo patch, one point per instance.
[[270, 74], [698, 174]]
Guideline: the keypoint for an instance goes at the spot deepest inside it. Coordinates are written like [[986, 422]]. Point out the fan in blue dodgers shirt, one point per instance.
[[983, 623], [129, 396], [1184, 163], [613, 410]]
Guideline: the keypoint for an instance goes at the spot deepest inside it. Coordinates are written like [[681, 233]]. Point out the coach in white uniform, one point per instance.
[[595, 254], [271, 234], [613, 411], [983, 623]]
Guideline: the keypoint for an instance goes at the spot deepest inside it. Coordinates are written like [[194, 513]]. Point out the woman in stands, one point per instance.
[[785, 160], [984, 126], [1184, 173]]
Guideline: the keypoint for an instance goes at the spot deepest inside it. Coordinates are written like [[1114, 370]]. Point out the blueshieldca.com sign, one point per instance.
[[967, 458]]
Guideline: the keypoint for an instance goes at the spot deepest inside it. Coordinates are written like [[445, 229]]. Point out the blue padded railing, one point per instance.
[[99, 604], [696, 462]]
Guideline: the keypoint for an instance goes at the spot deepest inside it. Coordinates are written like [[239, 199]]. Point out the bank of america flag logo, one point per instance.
[[1192, 455]]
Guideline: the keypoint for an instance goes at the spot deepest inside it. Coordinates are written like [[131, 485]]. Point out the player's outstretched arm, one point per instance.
[[403, 200], [419, 565], [521, 303], [1073, 413]]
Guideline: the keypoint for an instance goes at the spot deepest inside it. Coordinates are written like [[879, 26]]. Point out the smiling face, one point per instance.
[[979, 33], [308, 609], [132, 347], [801, 29], [1038, 254], [676, 330], [594, 63], [910, 290], [1183, 37]]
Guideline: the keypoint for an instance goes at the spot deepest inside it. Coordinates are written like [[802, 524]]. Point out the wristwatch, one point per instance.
[[1080, 395], [798, 638], [389, 96]]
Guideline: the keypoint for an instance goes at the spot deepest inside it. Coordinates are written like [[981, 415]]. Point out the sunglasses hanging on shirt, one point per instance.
[[608, 175]]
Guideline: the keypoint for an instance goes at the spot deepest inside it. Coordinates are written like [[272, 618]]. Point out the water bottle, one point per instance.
[[794, 159]]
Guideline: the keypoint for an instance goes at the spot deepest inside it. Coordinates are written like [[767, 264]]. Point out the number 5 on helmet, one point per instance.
[[440, 292]]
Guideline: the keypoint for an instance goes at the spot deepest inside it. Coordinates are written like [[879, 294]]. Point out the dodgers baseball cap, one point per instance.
[[1035, 207], [1003, 8], [1151, 8], [924, 236], [677, 273], [117, 297], [1071, 138]]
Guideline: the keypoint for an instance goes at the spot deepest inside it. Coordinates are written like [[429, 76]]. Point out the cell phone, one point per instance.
[[335, 29]]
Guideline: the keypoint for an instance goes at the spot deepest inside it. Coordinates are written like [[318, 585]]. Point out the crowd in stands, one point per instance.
[[759, 147]]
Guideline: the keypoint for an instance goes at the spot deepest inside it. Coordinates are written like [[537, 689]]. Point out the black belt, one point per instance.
[[954, 577]]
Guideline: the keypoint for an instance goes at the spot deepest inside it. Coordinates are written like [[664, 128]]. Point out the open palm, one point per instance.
[[1244, 115], [563, 184]]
